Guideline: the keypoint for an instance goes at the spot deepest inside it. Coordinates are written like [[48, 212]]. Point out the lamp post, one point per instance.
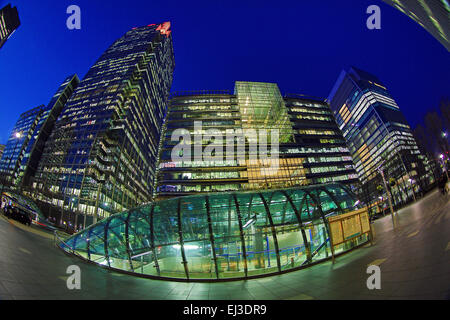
[[411, 182], [380, 169], [441, 156]]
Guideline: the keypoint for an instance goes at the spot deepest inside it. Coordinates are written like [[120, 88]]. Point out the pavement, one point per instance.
[[414, 260]]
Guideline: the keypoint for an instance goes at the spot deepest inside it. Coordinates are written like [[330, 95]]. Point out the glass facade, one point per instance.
[[262, 107], [21, 139], [311, 148], [100, 157], [24, 148], [431, 15], [377, 133], [219, 235], [324, 152], [198, 113], [9, 22]]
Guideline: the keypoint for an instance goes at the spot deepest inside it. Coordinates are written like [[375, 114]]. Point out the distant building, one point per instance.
[[35, 148], [377, 134], [21, 135], [312, 149], [9, 22], [24, 147], [432, 15]]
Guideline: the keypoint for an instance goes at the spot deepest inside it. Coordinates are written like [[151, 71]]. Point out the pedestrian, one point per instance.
[[445, 184], [442, 183]]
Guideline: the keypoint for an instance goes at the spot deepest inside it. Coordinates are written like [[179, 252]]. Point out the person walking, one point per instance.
[[442, 184], [445, 185]]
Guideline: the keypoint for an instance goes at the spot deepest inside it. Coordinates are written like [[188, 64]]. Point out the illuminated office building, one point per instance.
[[431, 15], [24, 148], [9, 22], [18, 141], [100, 157], [377, 133], [35, 147], [311, 148], [323, 147]]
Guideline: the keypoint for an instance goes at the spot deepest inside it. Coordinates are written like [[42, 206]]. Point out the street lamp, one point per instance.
[[380, 170], [441, 156], [17, 135]]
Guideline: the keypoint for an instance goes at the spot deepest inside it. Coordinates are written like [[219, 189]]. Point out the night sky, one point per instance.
[[302, 45]]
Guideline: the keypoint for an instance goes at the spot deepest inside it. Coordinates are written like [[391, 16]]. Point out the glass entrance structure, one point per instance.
[[220, 235]]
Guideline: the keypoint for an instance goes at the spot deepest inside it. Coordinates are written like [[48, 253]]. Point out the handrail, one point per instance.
[[317, 250], [56, 237]]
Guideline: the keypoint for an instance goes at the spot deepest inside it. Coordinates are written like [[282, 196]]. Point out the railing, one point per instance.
[[59, 241]]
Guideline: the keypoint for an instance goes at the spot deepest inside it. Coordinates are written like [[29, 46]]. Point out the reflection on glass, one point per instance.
[[220, 235]]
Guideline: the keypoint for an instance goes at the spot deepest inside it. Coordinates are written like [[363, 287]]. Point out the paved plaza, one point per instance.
[[414, 260]]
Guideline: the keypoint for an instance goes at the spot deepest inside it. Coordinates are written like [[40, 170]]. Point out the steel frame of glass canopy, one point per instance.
[[219, 236]]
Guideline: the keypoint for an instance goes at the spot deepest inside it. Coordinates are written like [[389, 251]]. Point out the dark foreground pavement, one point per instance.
[[414, 261]]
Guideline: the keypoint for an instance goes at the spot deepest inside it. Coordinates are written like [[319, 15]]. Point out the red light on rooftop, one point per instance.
[[164, 28], [151, 25]]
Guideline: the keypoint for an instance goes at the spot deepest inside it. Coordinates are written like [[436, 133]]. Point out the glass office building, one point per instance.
[[9, 22], [324, 152], [198, 112], [24, 148], [310, 150], [219, 235], [35, 147], [377, 134], [431, 15], [100, 157], [19, 141]]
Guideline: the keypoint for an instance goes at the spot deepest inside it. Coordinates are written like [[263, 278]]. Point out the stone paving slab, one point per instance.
[[414, 260]]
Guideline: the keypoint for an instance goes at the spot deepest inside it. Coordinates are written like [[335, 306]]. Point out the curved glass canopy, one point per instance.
[[220, 235]]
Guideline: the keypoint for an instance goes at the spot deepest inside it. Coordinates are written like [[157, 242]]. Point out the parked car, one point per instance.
[[18, 215]]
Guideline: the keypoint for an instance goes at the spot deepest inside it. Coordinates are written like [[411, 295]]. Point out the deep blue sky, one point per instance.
[[302, 45]]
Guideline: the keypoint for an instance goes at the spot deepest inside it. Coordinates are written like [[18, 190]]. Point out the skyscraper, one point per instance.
[[19, 140], [311, 148], [9, 22], [377, 133], [24, 147], [100, 157], [431, 15], [35, 148], [324, 149]]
